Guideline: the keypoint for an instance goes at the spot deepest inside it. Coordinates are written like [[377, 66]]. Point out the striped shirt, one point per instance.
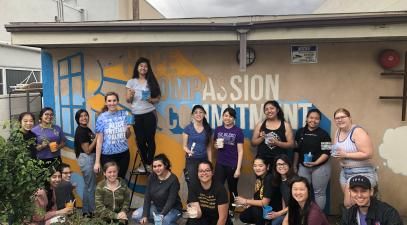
[[349, 146]]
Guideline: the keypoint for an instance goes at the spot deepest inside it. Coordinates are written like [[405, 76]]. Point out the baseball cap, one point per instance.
[[360, 181]]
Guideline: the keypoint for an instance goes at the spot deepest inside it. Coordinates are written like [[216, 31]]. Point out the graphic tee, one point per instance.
[[209, 200], [233, 136], [113, 126]]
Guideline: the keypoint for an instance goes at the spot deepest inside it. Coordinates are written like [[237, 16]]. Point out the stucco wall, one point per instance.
[[346, 75]]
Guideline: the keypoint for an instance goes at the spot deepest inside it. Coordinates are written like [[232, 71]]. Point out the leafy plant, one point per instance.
[[20, 177], [78, 219]]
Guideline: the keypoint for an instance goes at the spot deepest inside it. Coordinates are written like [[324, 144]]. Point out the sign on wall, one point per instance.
[[304, 54]]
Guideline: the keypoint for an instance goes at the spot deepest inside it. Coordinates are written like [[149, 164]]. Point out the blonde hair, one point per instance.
[[342, 110]]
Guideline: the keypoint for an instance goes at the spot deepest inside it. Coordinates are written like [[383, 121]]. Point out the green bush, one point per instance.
[[20, 177]]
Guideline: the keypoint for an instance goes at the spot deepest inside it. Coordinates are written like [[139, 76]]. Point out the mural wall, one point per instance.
[[345, 75]]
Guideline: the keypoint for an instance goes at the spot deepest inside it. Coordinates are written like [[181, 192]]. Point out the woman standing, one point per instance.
[[112, 196], [208, 198], [85, 150], [143, 92], [264, 194], [273, 136], [26, 120], [229, 143], [50, 137], [112, 133], [312, 154], [196, 140], [301, 210], [161, 196], [354, 149], [45, 202]]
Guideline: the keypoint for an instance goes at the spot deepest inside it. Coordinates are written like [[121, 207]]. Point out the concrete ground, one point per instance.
[[332, 219]]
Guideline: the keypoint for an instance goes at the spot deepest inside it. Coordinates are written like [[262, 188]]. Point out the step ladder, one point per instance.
[[134, 172]]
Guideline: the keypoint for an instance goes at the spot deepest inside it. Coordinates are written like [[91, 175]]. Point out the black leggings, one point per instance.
[[121, 159], [145, 126], [225, 173], [253, 214]]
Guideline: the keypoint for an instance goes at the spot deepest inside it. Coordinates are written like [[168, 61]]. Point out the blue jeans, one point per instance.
[[369, 172], [170, 219], [86, 163], [319, 177]]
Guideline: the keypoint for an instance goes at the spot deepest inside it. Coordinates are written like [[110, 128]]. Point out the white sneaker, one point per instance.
[[149, 169], [141, 169]]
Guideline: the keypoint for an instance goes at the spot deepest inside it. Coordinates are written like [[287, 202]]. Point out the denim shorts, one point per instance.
[[369, 172]]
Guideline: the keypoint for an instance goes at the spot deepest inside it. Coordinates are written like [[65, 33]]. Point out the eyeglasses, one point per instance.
[[205, 171], [340, 118], [48, 114], [282, 164]]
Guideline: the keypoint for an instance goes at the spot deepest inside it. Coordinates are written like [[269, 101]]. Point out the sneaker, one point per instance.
[[231, 214], [149, 169], [141, 169]]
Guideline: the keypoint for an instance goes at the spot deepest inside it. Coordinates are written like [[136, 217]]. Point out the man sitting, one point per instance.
[[367, 210]]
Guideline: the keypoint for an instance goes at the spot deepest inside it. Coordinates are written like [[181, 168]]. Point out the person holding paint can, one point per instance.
[[50, 137], [266, 198], [312, 152], [143, 92], [229, 144], [274, 135], [196, 142], [354, 150]]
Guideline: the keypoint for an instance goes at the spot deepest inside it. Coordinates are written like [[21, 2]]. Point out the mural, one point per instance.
[[183, 85], [209, 75], [394, 141]]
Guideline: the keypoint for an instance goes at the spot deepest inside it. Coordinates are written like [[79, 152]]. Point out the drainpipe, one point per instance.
[[60, 9], [243, 47]]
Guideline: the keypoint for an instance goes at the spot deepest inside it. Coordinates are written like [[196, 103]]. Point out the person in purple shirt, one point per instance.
[[50, 138], [229, 143]]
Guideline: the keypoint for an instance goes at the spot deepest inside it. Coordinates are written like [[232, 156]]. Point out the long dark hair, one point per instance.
[[276, 175], [78, 114], [110, 93], [314, 110], [296, 215], [48, 189], [280, 113], [150, 77], [164, 159], [43, 110], [207, 127]]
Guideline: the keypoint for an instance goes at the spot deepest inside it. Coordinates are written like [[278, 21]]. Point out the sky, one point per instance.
[[220, 8]]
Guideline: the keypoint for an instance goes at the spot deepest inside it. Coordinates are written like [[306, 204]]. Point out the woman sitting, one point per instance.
[[161, 197], [264, 195], [112, 196], [45, 202], [301, 209], [209, 199]]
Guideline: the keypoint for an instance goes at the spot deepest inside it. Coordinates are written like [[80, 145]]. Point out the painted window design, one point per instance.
[[71, 93]]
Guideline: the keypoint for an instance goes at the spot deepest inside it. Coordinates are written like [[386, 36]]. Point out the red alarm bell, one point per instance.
[[389, 58]]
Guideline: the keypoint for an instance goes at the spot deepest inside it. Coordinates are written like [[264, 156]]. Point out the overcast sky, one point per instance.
[[215, 8]]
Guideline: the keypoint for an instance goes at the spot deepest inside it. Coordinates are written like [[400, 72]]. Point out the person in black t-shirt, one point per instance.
[[85, 146], [314, 144], [209, 199], [26, 120], [264, 194]]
